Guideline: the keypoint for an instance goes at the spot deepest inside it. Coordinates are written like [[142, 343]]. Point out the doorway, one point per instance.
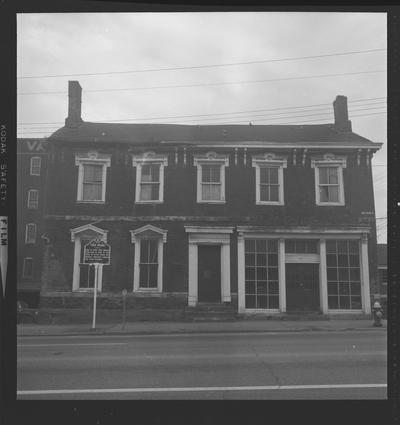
[[209, 273], [302, 287]]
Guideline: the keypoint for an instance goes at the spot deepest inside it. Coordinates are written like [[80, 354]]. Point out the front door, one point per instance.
[[209, 273], [302, 287]]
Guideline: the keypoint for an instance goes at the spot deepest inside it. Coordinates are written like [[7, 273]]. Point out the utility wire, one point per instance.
[[219, 113], [203, 66], [212, 84]]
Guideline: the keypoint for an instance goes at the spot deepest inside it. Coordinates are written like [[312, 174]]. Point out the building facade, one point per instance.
[[31, 181], [269, 219]]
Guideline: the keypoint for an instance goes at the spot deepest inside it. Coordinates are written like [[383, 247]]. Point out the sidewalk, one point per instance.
[[154, 328]]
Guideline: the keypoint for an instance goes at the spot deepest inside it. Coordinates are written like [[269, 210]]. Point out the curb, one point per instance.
[[180, 332]]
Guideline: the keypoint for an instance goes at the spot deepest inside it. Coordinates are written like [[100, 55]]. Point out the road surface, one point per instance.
[[257, 365]]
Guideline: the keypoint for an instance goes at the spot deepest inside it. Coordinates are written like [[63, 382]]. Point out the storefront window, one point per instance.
[[261, 274], [343, 273]]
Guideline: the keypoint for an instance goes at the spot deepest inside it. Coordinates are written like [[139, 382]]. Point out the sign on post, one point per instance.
[[96, 253]]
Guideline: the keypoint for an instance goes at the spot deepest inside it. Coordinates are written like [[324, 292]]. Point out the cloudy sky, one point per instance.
[[127, 66]]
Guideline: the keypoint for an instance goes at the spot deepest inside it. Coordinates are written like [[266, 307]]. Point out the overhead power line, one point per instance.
[[212, 114], [284, 123], [203, 66], [213, 84]]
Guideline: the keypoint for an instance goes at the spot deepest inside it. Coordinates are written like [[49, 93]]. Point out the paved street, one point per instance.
[[258, 365]]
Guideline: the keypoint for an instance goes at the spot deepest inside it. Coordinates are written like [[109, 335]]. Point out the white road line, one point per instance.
[[197, 389], [70, 345]]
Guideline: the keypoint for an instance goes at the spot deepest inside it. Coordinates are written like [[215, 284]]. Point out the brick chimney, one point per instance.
[[74, 104], [342, 122]]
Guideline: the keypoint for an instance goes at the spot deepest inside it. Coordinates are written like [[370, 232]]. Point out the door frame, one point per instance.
[[209, 235]]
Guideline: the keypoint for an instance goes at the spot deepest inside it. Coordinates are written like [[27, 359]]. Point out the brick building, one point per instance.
[[31, 179], [264, 218]]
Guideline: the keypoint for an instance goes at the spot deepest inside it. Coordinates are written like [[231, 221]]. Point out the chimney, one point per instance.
[[342, 122], [74, 104]]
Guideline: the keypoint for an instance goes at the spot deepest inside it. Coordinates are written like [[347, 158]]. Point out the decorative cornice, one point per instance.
[[211, 157], [93, 156], [135, 234], [328, 158], [86, 227], [149, 157], [269, 158]]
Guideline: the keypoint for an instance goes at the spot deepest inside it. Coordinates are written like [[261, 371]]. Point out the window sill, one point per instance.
[[330, 204], [211, 202], [269, 203], [91, 202], [262, 310], [348, 311], [148, 202], [147, 291]]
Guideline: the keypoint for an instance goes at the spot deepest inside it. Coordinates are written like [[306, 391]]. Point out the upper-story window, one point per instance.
[[211, 177], [269, 179], [92, 176], [33, 199], [149, 177], [329, 188], [30, 233], [35, 165]]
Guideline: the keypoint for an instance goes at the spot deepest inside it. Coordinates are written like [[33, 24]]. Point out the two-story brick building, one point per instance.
[[31, 181], [268, 218]]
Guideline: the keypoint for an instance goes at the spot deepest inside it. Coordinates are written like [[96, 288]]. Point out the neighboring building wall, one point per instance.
[[31, 176]]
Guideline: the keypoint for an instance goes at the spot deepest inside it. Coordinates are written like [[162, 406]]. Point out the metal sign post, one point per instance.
[[124, 293], [96, 268], [96, 253]]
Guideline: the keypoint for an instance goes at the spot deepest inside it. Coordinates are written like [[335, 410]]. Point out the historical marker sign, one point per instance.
[[97, 252]]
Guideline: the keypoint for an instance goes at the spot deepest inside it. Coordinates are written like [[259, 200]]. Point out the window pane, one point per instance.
[[273, 175], [262, 301], [91, 192], [331, 260], [150, 173], [344, 302], [153, 250], [343, 273], [261, 273], [333, 175], [331, 247], [92, 173], [323, 175], [356, 303], [250, 301], [261, 259], [149, 191], [323, 194], [144, 275], [262, 287], [274, 193], [86, 276], [250, 273], [273, 287], [344, 288], [342, 247], [355, 288], [333, 288], [215, 173], [354, 260], [250, 259], [353, 247], [355, 274], [250, 245], [206, 192], [272, 246], [250, 287], [332, 273], [290, 247], [273, 301], [272, 260], [261, 245], [153, 269], [216, 192], [333, 302], [333, 193], [343, 260], [264, 193], [272, 273], [264, 175], [144, 250]]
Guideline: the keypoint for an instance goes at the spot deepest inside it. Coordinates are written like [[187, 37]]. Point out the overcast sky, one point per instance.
[[93, 43]]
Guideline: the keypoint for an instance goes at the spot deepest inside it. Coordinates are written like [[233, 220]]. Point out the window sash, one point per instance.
[[30, 233], [149, 182], [33, 199], [211, 185], [35, 166], [330, 185], [27, 268], [148, 264]]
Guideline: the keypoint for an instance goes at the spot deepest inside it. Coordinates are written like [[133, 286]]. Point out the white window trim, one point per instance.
[[27, 241], [149, 158], [40, 165], [30, 191], [24, 268], [270, 160], [329, 160], [136, 238], [210, 158], [76, 238], [92, 158]]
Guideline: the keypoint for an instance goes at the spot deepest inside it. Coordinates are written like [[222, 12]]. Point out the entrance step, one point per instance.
[[210, 312]]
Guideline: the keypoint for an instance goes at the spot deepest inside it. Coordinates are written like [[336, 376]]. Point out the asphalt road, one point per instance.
[[287, 365]]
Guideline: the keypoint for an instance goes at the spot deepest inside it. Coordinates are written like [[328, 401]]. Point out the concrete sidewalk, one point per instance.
[[154, 328]]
